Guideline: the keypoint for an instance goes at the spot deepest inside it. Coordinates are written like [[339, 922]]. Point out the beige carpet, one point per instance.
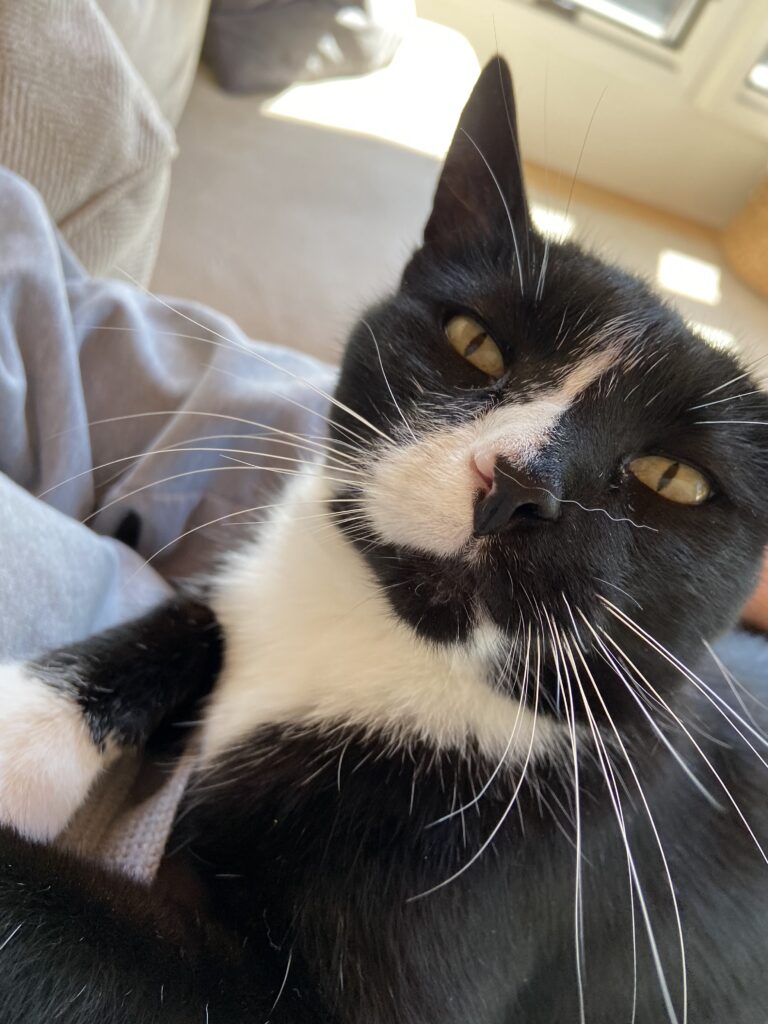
[[288, 228]]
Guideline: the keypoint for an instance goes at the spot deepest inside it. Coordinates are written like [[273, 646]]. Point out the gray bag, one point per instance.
[[266, 45]]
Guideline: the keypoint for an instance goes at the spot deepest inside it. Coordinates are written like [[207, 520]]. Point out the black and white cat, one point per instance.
[[467, 754]]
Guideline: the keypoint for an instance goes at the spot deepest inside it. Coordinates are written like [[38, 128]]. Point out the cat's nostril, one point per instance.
[[529, 510]]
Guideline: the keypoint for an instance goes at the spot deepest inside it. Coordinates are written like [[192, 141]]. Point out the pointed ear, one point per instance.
[[481, 185]]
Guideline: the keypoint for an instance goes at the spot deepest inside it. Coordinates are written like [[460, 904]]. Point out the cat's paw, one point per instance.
[[48, 759]]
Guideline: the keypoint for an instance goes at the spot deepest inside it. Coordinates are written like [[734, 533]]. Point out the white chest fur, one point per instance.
[[311, 640]]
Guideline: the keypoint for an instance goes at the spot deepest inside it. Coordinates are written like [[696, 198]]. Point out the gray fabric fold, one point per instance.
[[111, 401]]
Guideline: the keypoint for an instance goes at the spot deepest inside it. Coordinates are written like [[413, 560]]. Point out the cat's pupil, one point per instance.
[[671, 479], [668, 476], [475, 344]]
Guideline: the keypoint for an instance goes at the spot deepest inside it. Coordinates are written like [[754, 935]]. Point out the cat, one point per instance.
[[467, 753]]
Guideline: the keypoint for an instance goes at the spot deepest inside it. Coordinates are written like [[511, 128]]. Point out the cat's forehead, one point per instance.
[[583, 310]]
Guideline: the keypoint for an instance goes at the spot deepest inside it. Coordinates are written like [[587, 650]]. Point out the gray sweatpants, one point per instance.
[[111, 402]]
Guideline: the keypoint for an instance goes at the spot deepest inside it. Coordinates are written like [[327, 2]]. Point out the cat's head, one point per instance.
[[545, 445]]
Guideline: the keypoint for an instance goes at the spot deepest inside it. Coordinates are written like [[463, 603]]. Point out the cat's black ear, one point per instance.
[[481, 186]]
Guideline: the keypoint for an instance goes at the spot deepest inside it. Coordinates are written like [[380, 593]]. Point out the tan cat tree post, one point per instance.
[[745, 248], [745, 241]]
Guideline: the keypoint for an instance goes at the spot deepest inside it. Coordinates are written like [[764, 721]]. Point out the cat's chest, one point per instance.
[[358, 858], [325, 845], [301, 825]]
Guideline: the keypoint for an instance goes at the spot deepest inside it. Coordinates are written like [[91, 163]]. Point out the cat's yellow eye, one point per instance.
[[675, 481], [473, 343]]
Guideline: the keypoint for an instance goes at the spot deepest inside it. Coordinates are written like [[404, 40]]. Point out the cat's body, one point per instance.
[[466, 757]]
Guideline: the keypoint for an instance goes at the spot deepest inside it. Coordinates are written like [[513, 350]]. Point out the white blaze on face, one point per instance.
[[422, 494]]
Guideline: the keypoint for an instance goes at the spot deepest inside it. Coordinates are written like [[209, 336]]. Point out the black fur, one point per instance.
[[311, 878], [129, 679], [322, 877], [128, 530]]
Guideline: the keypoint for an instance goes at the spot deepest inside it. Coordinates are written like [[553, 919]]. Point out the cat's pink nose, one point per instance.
[[483, 466]]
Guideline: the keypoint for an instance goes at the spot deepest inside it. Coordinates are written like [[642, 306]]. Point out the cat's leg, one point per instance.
[[65, 715], [81, 946]]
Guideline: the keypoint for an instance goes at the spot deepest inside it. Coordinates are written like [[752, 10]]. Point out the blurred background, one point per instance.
[[307, 137], [644, 127]]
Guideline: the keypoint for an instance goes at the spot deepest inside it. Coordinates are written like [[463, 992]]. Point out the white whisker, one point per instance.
[[386, 380], [505, 814], [639, 632], [259, 356], [730, 398], [681, 940], [570, 715], [584, 508], [205, 469], [477, 797]]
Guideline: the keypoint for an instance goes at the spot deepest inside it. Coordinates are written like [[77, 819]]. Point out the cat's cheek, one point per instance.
[[422, 496], [48, 760]]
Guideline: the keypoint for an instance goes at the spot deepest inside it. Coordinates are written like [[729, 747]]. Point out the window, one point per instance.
[[758, 76], [665, 21], [553, 223], [685, 275]]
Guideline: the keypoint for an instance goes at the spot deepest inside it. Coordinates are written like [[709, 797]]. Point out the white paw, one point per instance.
[[48, 760]]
